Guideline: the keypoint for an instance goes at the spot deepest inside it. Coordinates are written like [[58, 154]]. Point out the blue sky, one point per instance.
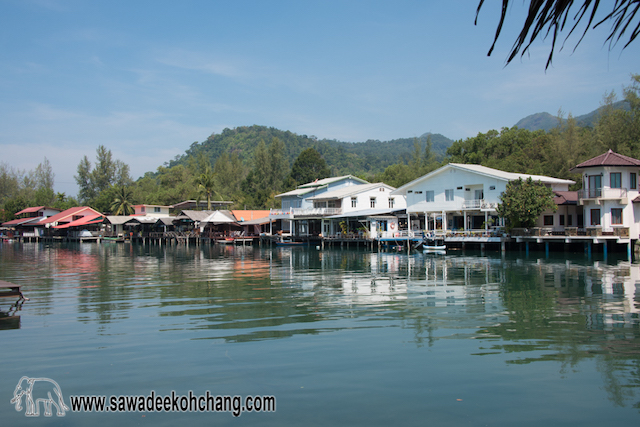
[[148, 78]]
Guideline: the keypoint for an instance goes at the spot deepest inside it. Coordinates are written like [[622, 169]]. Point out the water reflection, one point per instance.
[[565, 311]]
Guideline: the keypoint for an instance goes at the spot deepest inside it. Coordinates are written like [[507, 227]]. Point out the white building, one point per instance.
[[339, 206], [299, 201], [152, 210], [367, 206], [462, 197], [609, 194]]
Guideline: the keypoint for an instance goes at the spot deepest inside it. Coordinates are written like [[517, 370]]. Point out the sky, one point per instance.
[[147, 78]]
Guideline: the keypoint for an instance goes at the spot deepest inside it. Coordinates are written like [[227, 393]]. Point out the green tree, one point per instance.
[[122, 202], [523, 202], [107, 173], [206, 184], [619, 129], [86, 190], [309, 166], [266, 178], [229, 173]]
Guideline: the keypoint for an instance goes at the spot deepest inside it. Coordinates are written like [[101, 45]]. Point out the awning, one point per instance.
[[22, 221], [259, 221], [219, 217], [85, 220]]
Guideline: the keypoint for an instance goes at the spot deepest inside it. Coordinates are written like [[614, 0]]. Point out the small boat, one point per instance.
[[290, 243], [226, 241], [432, 243]]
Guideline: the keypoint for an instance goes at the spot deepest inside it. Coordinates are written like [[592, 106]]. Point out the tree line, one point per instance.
[[251, 165]]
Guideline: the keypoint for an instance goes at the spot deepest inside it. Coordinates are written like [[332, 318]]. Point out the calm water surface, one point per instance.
[[339, 337]]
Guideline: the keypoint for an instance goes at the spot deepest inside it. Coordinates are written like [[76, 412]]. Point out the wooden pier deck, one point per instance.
[[8, 290]]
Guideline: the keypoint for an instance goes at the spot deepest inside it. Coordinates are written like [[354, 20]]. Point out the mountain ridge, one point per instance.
[[545, 121]]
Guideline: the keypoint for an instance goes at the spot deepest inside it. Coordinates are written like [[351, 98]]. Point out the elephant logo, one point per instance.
[[36, 390]]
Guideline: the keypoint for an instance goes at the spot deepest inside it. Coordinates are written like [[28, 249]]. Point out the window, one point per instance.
[[372, 202], [616, 216], [448, 195], [391, 203], [354, 202], [595, 216], [569, 220], [429, 195], [548, 220], [633, 181], [156, 209], [142, 209], [616, 179], [595, 185], [561, 218]]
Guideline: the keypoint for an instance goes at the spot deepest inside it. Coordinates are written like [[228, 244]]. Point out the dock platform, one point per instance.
[[8, 290]]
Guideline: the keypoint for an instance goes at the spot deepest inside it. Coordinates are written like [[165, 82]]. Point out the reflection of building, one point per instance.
[[617, 292]]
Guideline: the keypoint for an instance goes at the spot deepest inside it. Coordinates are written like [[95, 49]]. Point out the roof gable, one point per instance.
[[69, 213], [327, 181], [483, 171], [609, 159], [350, 191]]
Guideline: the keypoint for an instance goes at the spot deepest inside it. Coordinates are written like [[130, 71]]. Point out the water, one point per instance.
[[338, 337]]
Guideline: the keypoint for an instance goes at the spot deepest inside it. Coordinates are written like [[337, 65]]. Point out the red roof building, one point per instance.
[[609, 159], [68, 216]]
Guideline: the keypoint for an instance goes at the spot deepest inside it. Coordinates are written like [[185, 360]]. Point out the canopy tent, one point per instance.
[[219, 217]]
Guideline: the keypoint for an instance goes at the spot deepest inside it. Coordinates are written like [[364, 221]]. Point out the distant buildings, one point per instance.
[[457, 201]]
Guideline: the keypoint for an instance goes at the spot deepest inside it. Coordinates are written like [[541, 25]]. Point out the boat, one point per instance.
[[438, 248], [226, 241], [290, 243], [432, 243]]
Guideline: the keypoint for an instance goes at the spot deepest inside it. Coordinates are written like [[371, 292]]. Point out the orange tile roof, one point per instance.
[[248, 215]]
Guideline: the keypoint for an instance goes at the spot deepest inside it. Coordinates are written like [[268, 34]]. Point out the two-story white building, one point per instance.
[[297, 209], [363, 208], [609, 194], [462, 196]]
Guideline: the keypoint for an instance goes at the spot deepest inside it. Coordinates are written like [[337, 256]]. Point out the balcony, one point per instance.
[[317, 212], [602, 194], [478, 204], [296, 212]]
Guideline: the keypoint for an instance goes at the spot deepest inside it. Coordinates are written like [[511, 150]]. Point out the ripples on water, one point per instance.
[[375, 338]]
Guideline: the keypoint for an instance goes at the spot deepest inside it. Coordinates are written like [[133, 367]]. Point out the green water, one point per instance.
[[338, 337]]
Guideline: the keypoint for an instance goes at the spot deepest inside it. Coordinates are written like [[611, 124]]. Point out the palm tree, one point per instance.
[[121, 205], [206, 183], [549, 17]]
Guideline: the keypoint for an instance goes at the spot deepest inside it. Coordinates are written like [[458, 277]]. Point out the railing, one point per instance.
[[602, 193], [317, 211], [478, 204], [307, 212]]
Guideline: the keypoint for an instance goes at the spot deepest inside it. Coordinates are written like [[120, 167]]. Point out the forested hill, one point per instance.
[[356, 158]]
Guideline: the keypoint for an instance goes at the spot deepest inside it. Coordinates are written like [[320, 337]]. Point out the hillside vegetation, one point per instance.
[[359, 158]]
